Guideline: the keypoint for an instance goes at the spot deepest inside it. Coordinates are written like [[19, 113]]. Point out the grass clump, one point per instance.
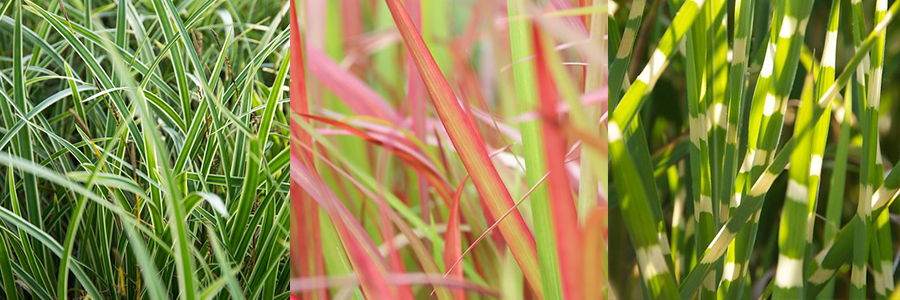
[[449, 150], [766, 171], [144, 150]]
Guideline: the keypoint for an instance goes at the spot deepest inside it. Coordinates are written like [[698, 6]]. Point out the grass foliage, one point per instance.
[[753, 147], [449, 149], [144, 149]]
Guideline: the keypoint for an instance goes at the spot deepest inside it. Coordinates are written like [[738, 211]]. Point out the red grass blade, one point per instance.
[[415, 94], [471, 151], [565, 217], [306, 243], [392, 251], [362, 253], [299, 104], [452, 239], [406, 151], [352, 20]]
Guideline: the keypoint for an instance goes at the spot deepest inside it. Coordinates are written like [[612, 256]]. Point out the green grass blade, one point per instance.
[[524, 75]]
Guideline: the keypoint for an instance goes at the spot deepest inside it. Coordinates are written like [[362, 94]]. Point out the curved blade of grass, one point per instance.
[[393, 201], [75, 222], [625, 111], [362, 253], [428, 264], [355, 93]]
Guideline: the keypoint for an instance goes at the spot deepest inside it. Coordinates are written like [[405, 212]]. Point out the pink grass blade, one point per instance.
[[306, 242], [346, 86], [385, 212], [471, 151], [364, 257], [352, 18], [402, 150]]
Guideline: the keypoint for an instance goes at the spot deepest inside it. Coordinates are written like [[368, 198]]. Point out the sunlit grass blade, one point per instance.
[[733, 273], [692, 116], [699, 60], [742, 214], [624, 51]]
